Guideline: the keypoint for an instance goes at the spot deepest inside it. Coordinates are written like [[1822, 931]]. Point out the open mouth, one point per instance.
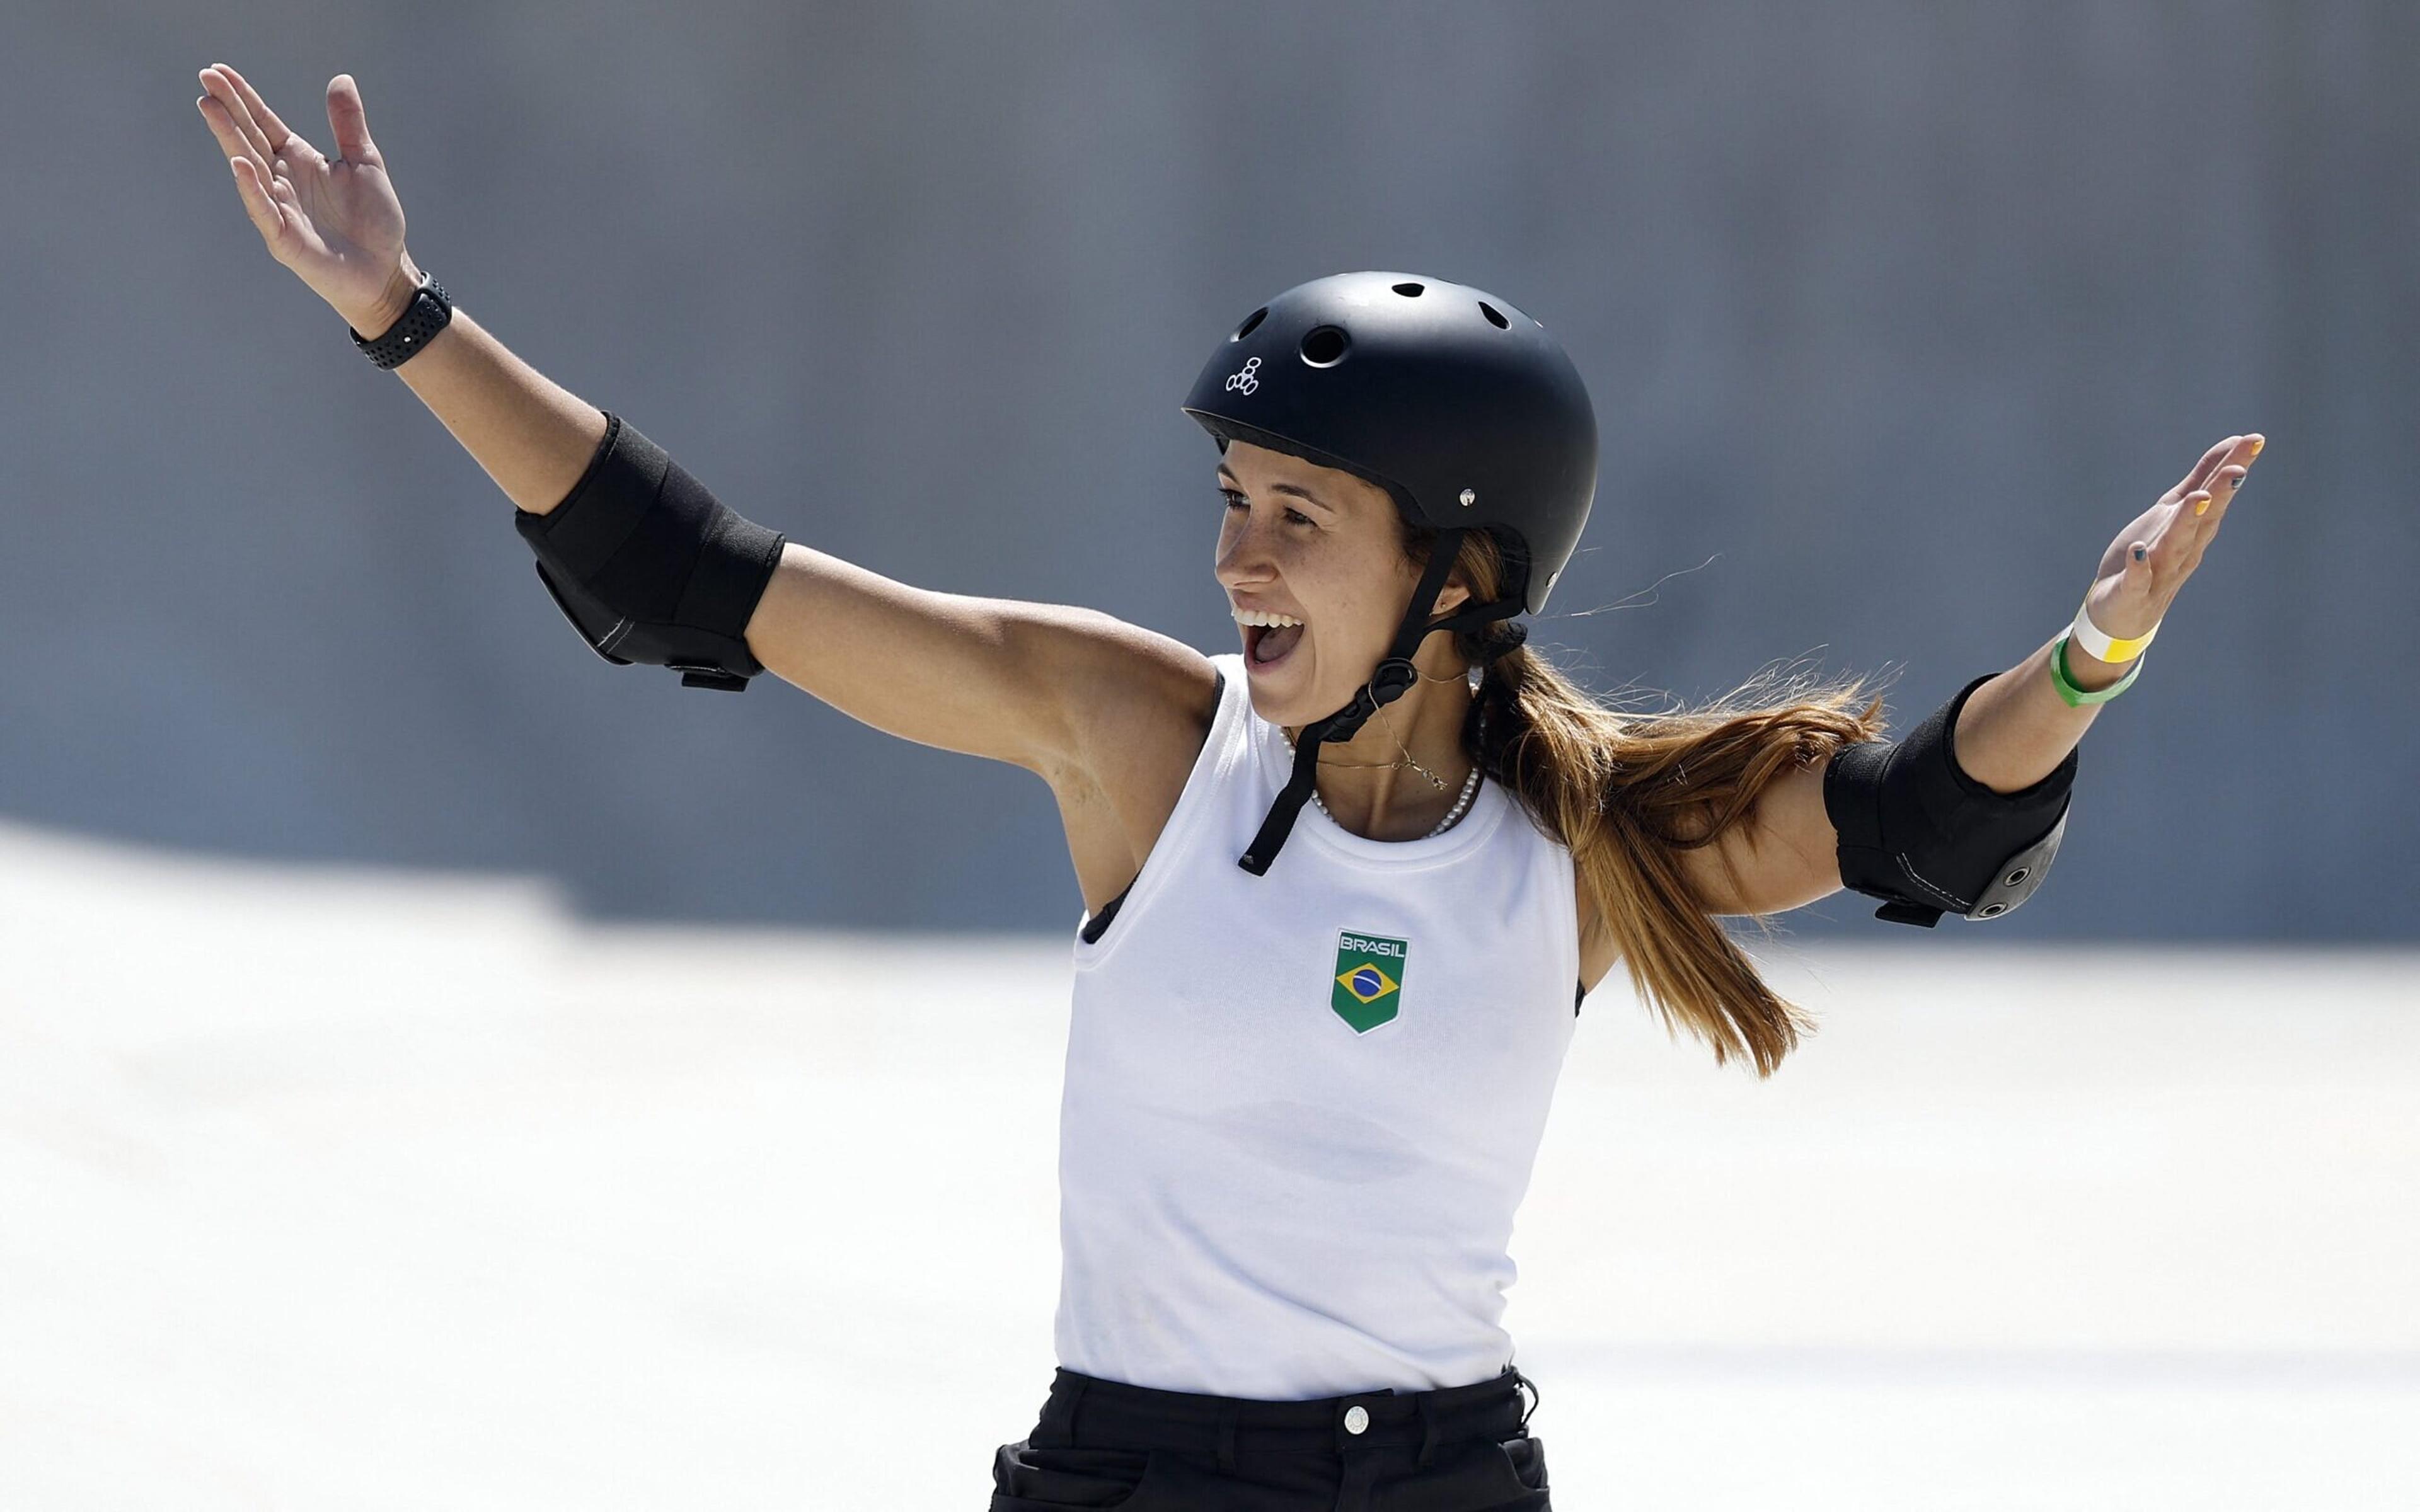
[[1266, 645]]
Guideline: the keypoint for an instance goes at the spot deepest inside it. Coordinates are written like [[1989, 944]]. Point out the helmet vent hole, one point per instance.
[[1409, 291], [1253, 320], [1324, 346], [1495, 316]]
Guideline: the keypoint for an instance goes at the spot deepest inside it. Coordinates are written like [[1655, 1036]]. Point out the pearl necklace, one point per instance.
[[1469, 787]]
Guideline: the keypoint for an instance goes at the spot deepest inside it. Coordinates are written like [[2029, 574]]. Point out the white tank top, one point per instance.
[[1301, 1108]]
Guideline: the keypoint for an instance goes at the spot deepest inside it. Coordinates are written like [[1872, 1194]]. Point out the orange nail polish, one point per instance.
[[2202, 508]]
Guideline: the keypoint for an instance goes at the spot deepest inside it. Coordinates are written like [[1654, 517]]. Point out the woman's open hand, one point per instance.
[[336, 223], [2151, 557]]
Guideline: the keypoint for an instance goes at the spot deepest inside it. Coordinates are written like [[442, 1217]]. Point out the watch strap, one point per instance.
[[428, 314]]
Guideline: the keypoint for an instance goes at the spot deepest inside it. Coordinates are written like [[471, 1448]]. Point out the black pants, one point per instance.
[[1103, 1444]]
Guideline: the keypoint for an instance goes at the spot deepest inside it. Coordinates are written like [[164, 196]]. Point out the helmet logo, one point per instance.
[[1248, 380]]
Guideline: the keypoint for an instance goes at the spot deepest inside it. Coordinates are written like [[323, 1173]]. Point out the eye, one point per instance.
[[1236, 500]]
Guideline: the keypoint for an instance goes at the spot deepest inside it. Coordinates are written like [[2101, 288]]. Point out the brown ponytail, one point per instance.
[[1627, 793]]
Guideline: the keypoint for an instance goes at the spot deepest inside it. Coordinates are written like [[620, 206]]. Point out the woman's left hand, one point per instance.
[[2016, 730], [2151, 557]]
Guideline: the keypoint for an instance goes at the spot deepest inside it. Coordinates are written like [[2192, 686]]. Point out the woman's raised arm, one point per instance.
[[1047, 686], [337, 225]]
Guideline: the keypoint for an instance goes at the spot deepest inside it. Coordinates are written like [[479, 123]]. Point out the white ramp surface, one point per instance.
[[327, 1188]]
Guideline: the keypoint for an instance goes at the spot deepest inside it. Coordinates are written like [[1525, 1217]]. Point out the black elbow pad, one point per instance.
[[650, 567], [1922, 835]]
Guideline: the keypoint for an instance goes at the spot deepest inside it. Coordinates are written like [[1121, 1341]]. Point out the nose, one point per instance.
[[1243, 556]]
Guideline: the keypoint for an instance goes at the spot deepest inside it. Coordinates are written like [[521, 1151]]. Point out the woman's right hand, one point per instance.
[[338, 225]]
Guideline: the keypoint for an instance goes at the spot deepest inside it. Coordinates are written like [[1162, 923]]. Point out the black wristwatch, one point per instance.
[[425, 317]]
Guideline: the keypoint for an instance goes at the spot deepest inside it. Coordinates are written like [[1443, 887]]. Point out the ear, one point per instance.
[[1454, 595]]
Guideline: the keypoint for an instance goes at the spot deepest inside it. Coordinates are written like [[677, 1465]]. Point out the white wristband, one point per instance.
[[2107, 648]]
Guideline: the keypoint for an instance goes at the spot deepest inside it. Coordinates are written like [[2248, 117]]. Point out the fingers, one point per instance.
[[2155, 556], [2174, 548], [2236, 450], [223, 93], [236, 138], [280, 138], [269, 138], [2221, 493], [2139, 575], [350, 124], [266, 217], [2158, 563], [2223, 488], [2199, 475]]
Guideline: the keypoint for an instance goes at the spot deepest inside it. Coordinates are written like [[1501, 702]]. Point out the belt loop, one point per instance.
[[1226, 1410], [1074, 1401], [1428, 1430], [1536, 1397]]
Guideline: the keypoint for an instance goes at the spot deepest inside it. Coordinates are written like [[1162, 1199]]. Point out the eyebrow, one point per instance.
[[1295, 489]]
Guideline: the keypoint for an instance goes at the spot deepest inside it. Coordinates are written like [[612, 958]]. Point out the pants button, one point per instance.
[[1356, 1419]]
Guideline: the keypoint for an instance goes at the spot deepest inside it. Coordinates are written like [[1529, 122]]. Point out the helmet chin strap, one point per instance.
[[1393, 677]]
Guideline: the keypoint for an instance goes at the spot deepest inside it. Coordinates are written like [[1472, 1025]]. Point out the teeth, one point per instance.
[[1254, 616]]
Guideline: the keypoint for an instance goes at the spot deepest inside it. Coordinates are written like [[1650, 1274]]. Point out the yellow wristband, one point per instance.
[[2104, 647]]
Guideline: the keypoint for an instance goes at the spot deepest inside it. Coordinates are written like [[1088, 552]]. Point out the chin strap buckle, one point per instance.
[[1393, 678]]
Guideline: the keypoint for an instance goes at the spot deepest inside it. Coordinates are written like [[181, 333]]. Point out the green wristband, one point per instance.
[[2075, 696]]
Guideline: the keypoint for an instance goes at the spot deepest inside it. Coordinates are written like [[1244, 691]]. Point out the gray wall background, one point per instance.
[[1892, 316]]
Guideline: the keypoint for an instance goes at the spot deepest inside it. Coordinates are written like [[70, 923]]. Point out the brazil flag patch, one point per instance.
[[1369, 978]]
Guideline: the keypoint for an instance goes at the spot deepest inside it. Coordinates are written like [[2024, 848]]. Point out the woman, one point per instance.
[[1310, 1056]]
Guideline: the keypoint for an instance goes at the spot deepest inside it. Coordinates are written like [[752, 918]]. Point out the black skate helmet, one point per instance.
[[1462, 408]]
